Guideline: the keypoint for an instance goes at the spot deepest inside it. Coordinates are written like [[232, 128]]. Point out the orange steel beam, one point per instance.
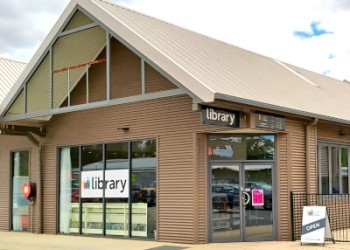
[[79, 66]]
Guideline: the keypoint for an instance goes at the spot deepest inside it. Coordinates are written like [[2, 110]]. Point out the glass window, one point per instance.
[[117, 158], [20, 208], [92, 180], [344, 161], [69, 190], [91, 157], [95, 194], [324, 170], [144, 188], [260, 147], [333, 168], [241, 147]]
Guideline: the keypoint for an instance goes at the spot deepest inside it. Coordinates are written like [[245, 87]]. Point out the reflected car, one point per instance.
[[230, 190]]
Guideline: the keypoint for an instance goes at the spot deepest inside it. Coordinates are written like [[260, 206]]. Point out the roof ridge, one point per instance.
[[284, 65]]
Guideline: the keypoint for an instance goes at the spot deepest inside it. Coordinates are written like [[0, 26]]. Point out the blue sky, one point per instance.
[[312, 34], [316, 30]]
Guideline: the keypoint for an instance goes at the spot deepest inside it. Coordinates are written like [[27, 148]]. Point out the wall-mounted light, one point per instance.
[[342, 132], [124, 129]]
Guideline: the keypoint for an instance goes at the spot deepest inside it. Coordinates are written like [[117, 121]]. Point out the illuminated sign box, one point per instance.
[[270, 122]]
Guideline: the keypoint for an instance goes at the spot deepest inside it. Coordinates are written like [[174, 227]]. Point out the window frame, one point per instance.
[[339, 147], [104, 168], [11, 189]]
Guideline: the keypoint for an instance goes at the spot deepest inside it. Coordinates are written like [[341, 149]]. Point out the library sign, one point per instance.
[[115, 184], [220, 117]]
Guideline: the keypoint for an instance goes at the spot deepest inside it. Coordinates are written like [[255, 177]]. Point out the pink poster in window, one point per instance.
[[257, 197]]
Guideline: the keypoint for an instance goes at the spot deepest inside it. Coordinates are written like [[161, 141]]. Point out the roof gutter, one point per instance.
[[239, 100]]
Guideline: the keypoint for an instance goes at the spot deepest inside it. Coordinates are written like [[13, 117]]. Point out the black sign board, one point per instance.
[[270, 121], [220, 117]]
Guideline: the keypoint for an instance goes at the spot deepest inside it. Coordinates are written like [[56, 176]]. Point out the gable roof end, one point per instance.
[[211, 69]]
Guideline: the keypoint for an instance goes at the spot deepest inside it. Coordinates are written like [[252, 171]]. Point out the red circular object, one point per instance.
[[26, 190]]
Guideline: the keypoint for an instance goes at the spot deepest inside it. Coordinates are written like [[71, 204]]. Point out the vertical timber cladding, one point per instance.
[[291, 169], [297, 143], [282, 173], [203, 196], [8, 145], [312, 159]]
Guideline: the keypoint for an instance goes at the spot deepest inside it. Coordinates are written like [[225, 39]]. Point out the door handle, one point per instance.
[[248, 198]]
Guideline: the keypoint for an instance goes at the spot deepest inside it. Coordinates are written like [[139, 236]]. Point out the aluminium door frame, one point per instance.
[[241, 165]]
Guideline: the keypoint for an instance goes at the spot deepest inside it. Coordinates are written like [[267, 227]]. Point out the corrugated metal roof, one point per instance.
[[9, 72], [231, 71], [212, 69]]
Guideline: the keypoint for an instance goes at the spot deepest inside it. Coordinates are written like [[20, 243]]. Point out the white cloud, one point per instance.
[[24, 25]]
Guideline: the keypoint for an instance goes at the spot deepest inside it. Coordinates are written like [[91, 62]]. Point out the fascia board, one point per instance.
[[280, 109]]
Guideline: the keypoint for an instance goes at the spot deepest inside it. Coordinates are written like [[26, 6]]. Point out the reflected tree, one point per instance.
[[145, 148], [260, 148]]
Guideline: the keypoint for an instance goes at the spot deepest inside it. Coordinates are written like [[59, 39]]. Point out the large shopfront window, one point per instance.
[[108, 189], [333, 166], [20, 175]]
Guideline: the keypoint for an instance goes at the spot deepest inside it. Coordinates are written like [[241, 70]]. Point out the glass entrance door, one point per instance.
[[258, 216], [242, 202], [225, 195]]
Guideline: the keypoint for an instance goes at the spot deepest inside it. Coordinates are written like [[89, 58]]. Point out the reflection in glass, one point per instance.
[[335, 170], [92, 160], [102, 164], [258, 212], [324, 170], [117, 155], [91, 157], [69, 190], [231, 147], [242, 201], [20, 208], [225, 203], [144, 188], [345, 170]]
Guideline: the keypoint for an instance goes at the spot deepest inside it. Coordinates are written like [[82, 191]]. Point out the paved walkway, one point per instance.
[[27, 241]]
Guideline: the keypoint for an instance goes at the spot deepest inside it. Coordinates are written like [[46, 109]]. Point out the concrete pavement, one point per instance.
[[28, 241]]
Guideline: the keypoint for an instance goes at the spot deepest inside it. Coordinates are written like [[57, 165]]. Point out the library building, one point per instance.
[[123, 125]]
